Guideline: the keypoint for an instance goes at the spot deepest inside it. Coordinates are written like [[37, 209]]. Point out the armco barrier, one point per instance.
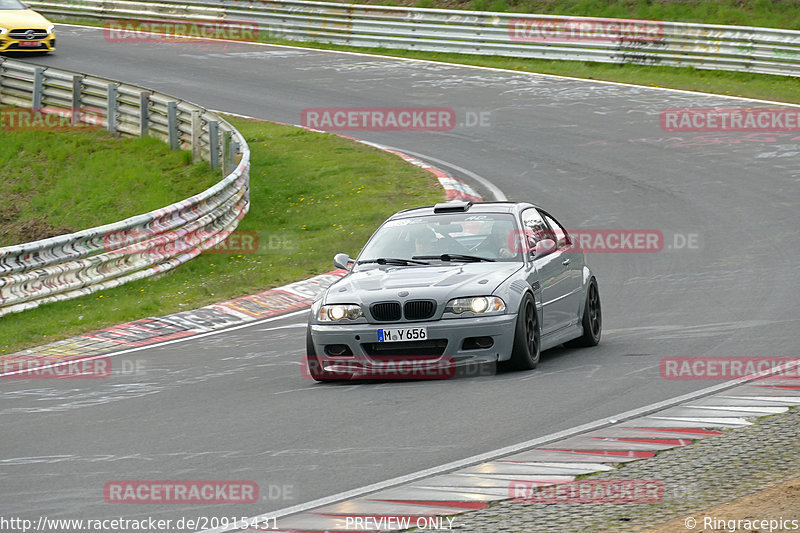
[[736, 48], [67, 266]]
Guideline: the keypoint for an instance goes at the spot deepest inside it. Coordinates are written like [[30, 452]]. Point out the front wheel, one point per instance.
[[592, 319], [525, 353]]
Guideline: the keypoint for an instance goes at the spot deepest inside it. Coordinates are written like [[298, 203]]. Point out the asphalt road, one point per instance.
[[235, 405]]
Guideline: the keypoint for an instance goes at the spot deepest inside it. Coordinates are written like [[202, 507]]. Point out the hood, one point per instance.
[[22, 19], [440, 282]]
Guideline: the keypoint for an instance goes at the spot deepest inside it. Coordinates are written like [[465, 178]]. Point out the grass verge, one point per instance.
[[766, 13], [312, 195], [61, 182]]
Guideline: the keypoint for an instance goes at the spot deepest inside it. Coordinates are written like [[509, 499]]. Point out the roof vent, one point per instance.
[[457, 206]]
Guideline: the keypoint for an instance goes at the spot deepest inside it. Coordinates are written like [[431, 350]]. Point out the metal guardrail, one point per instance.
[[68, 266], [736, 48]]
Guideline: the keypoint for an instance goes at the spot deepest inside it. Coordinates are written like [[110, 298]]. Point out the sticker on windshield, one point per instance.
[[405, 222]]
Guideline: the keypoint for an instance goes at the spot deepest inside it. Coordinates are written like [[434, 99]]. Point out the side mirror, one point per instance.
[[544, 247], [342, 261]]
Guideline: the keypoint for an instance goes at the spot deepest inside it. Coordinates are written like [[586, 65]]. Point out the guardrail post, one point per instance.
[[111, 108], [197, 129], [213, 143], [77, 93], [172, 124], [232, 151], [38, 88], [226, 151], [144, 114]]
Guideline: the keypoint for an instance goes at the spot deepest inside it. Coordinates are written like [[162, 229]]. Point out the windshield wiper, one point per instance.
[[393, 261], [454, 257]]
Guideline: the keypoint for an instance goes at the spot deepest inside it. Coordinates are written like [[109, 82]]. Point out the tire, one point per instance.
[[526, 351], [314, 366], [592, 320]]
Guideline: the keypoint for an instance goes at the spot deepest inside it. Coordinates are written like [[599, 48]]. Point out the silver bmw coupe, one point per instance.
[[454, 285]]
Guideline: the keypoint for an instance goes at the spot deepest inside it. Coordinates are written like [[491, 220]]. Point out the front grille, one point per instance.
[[386, 311], [419, 309], [23, 34], [429, 348]]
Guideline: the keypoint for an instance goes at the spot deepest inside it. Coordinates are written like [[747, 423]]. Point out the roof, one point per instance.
[[459, 207]]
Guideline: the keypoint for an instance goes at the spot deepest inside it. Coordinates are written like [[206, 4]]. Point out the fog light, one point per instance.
[[484, 342], [338, 350], [477, 343]]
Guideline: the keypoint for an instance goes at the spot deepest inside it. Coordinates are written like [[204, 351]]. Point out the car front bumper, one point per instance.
[[9, 44], [443, 349]]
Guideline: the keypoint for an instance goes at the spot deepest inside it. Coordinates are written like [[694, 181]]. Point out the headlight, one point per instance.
[[337, 312], [51, 28], [478, 305], [3, 31]]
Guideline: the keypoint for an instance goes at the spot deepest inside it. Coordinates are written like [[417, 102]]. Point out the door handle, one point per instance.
[[565, 262]]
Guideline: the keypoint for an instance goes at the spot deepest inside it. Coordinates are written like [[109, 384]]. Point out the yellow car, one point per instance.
[[24, 30]]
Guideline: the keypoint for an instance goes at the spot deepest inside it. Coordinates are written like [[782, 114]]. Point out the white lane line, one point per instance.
[[794, 400], [494, 190], [289, 326], [298, 390], [739, 409], [160, 344], [709, 420], [589, 467]]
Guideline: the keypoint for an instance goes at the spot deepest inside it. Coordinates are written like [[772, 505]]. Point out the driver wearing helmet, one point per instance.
[[426, 242]]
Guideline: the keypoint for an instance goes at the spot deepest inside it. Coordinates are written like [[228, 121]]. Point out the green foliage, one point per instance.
[[771, 14], [59, 182]]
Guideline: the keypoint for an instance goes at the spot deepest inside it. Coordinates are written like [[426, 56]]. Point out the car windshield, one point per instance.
[[11, 4], [452, 237]]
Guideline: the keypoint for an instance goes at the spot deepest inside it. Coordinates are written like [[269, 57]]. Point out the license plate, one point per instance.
[[29, 44], [402, 334]]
